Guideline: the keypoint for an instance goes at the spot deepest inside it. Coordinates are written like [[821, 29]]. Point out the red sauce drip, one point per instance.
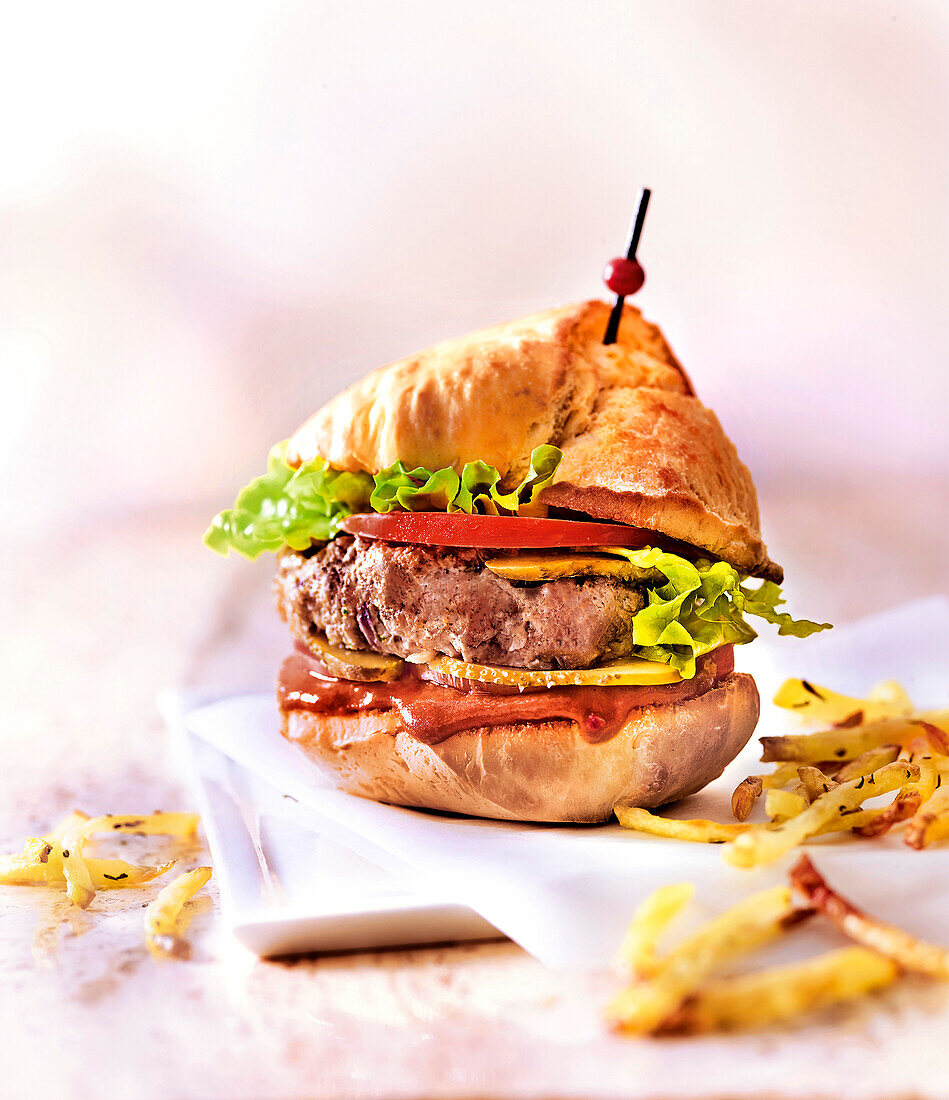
[[432, 713]]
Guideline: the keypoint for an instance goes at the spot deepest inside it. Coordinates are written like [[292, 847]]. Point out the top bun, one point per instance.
[[639, 447]]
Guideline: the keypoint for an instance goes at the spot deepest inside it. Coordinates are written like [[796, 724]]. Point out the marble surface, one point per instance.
[[99, 619]]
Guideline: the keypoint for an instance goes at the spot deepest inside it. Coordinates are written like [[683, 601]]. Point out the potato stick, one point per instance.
[[866, 762], [843, 745], [764, 845], [849, 823], [783, 992], [24, 870], [79, 886], [749, 790], [780, 805], [67, 855], [820, 704], [931, 821], [781, 776], [904, 949], [745, 795], [637, 952], [166, 919], [697, 830], [814, 782], [911, 796], [21, 870], [758, 920], [183, 826], [937, 731]]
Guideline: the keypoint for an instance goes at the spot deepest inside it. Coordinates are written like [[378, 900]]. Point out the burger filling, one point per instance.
[[418, 602], [445, 578]]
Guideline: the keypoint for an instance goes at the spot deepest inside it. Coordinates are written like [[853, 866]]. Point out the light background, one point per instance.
[[212, 216]]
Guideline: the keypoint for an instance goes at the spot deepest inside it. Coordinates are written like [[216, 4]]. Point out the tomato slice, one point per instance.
[[493, 532]]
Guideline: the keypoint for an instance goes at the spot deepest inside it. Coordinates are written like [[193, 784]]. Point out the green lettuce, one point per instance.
[[296, 507], [701, 607]]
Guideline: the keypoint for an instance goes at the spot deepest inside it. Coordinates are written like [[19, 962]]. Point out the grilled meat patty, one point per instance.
[[419, 601]]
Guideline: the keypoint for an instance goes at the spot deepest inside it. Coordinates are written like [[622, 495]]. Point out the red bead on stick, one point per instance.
[[623, 276]]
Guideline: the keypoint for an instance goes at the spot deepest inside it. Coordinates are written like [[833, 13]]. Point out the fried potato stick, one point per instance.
[[870, 761], [906, 950], [637, 952], [764, 844], [931, 821], [820, 704], [107, 874], [644, 1007], [814, 782], [847, 744], [694, 829], [780, 805], [166, 919], [783, 992], [908, 800]]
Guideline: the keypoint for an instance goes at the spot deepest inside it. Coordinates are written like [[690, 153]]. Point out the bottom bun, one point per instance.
[[536, 771]]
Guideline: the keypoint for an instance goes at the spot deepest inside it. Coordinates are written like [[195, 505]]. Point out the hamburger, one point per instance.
[[514, 568]]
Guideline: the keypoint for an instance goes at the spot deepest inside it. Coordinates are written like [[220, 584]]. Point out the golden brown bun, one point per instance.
[[639, 447], [538, 771]]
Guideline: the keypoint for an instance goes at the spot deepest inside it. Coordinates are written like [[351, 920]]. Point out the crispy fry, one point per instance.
[[846, 744], [936, 723], [645, 1006], [58, 857], [907, 803], [166, 919], [79, 886], [820, 704], [907, 951], [637, 952], [183, 826], [749, 790], [697, 830], [931, 821], [23, 870], [814, 782], [781, 776], [780, 805], [867, 762], [745, 795], [782, 992], [764, 844]]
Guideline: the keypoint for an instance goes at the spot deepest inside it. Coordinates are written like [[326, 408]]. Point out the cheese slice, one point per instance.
[[628, 672]]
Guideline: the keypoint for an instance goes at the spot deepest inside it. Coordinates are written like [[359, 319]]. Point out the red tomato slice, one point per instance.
[[493, 532]]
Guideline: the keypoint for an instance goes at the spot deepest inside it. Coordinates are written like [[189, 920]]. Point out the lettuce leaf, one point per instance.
[[701, 607], [288, 507]]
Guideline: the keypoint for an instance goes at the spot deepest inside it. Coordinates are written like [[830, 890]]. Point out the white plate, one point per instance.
[[287, 887], [565, 893]]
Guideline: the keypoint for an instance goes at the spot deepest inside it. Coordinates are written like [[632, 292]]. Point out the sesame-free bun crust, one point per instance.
[[536, 771], [639, 447]]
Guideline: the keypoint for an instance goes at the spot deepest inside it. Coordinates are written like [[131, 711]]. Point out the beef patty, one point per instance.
[[419, 601]]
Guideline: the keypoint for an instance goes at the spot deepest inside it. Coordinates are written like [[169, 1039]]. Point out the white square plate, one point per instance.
[[287, 887]]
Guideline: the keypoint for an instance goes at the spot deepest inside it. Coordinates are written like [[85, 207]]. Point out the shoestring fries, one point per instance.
[[166, 918], [679, 992]]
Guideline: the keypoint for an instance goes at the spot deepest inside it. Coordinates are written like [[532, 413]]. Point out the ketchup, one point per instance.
[[432, 713]]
